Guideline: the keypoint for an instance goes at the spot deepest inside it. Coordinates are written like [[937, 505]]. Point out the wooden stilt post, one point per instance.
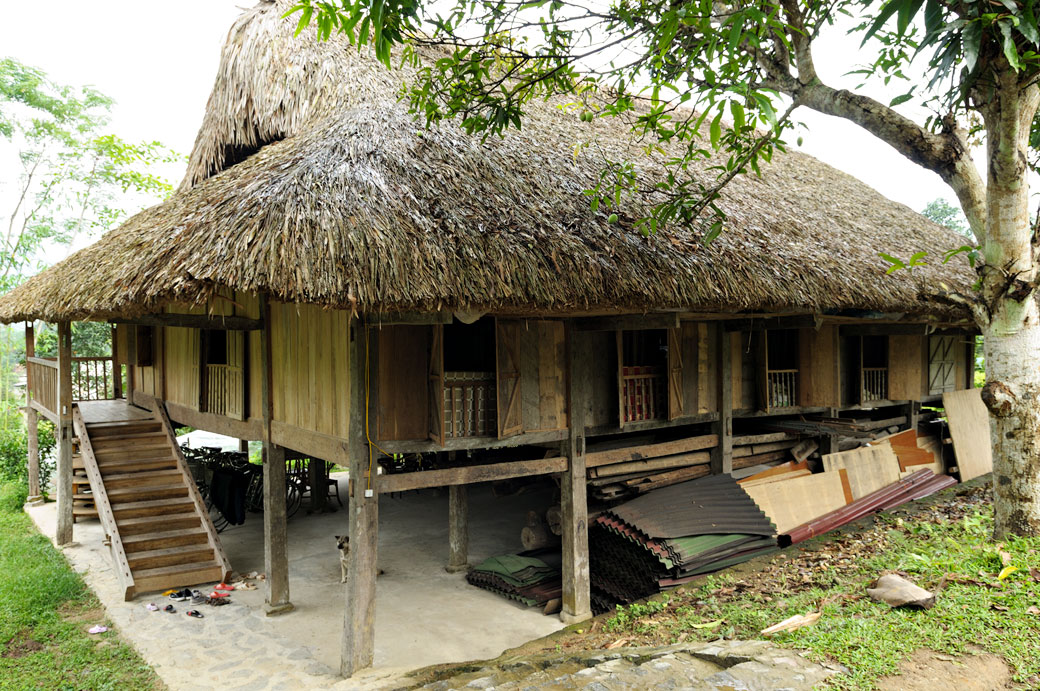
[[573, 502], [458, 529], [722, 455], [32, 421], [276, 540], [63, 474], [360, 606], [117, 365]]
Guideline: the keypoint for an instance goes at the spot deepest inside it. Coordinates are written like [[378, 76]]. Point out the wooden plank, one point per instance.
[[757, 449], [799, 500], [647, 451], [508, 379], [629, 322], [704, 378], [670, 477], [465, 475], [746, 439], [529, 394], [676, 461], [401, 371], [969, 428], [904, 367], [676, 395]]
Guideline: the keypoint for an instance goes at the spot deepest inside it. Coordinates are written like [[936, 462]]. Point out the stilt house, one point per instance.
[[336, 281]]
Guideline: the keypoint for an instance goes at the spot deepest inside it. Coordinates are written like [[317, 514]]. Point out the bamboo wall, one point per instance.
[[309, 368]]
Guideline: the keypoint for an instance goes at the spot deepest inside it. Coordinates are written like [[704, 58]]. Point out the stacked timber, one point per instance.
[[668, 536], [776, 447], [632, 470]]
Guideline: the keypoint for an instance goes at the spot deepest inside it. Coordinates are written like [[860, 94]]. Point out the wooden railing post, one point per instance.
[[63, 534], [32, 420]]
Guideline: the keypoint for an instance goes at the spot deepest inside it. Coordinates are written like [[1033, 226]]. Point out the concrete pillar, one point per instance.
[[458, 529], [573, 501], [358, 643], [63, 534]]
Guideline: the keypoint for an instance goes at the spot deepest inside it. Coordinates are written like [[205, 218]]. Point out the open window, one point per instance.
[[643, 375], [223, 367], [144, 355], [463, 400], [873, 354], [780, 368]]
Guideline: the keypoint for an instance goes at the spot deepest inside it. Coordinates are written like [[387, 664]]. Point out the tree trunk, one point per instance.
[[1011, 393]]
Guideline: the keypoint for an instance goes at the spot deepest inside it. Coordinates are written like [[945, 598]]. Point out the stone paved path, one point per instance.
[[718, 666]]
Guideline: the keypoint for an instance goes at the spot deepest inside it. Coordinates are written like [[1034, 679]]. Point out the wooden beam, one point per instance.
[[378, 320], [882, 329], [574, 509], [214, 322], [358, 644], [189, 417], [458, 529], [763, 323], [645, 451], [628, 322], [468, 475], [466, 443], [63, 535], [32, 422]]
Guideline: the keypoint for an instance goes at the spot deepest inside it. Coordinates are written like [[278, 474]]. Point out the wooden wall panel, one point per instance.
[[402, 404], [182, 366], [904, 367], [149, 380], [691, 362], [309, 368], [736, 370], [255, 384], [543, 375], [817, 369]]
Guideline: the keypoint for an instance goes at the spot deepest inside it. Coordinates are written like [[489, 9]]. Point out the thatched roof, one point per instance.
[[354, 204]]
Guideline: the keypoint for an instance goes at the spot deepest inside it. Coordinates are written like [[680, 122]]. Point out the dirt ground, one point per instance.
[[927, 670]]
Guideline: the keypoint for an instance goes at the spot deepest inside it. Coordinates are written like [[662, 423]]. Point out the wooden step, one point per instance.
[[110, 439], [96, 430], [128, 453], [165, 577], [130, 447], [152, 524], [156, 507], [163, 539], [164, 475], [146, 491], [135, 465], [170, 556]]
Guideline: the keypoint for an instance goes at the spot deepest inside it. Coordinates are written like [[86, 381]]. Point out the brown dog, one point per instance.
[[343, 543]]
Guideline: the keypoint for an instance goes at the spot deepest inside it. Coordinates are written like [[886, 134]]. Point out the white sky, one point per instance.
[[159, 60]]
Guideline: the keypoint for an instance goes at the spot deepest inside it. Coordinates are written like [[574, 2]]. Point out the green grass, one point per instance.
[[45, 611], [974, 608]]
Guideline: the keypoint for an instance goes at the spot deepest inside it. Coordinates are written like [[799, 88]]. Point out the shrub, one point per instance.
[[13, 496], [14, 452]]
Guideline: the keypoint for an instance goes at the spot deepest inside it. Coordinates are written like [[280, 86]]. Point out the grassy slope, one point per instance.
[[950, 541], [45, 611]]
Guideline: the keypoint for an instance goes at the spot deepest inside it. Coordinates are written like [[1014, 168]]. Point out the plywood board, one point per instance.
[[969, 427], [402, 404], [904, 367], [869, 468], [817, 351], [799, 500]]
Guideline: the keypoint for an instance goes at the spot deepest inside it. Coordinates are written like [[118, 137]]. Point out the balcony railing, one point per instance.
[[224, 393], [470, 408], [875, 384], [642, 393], [94, 379], [782, 388], [43, 386]]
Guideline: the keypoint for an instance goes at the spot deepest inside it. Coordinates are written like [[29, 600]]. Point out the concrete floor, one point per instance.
[[423, 614]]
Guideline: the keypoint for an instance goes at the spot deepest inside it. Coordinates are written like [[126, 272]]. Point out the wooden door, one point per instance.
[[508, 385], [942, 365], [436, 384], [676, 398]]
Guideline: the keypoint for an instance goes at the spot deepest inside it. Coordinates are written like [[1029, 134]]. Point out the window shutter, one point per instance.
[[235, 386], [942, 368], [507, 385], [675, 374], [436, 384]]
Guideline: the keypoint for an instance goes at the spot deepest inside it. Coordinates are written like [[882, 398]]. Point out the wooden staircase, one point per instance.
[[158, 527]]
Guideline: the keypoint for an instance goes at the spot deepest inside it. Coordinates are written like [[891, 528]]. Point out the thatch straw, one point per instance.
[[357, 204]]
